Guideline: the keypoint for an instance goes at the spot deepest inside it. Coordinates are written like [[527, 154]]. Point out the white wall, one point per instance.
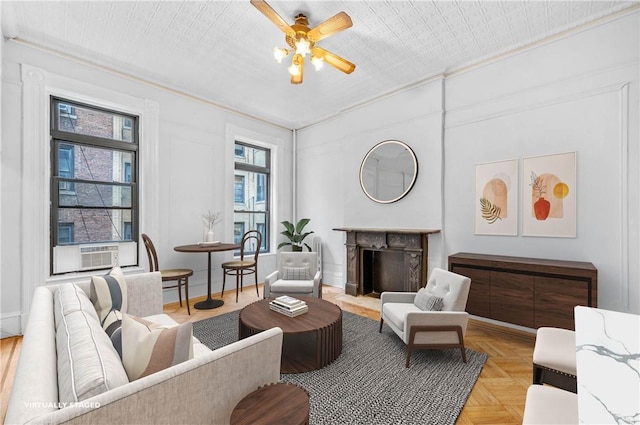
[[193, 157], [577, 93], [329, 156]]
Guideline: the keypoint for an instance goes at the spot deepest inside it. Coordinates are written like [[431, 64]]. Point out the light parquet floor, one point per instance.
[[497, 398]]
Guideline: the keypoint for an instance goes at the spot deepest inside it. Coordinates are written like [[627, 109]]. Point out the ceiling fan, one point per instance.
[[302, 40]]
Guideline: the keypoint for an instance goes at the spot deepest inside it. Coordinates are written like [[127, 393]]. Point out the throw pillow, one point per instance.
[[296, 273], [108, 293], [112, 325], [148, 347], [427, 302], [109, 297]]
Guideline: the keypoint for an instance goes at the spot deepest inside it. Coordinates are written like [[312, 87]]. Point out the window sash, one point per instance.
[[253, 204], [94, 199], [66, 114]]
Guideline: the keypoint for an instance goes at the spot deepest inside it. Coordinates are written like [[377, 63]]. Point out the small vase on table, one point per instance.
[[210, 219]]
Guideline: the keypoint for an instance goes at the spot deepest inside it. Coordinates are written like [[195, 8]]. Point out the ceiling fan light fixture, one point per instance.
[[279, 54], [303, 39], [296, 65], [303, 46], [294, 70], [317, 62]]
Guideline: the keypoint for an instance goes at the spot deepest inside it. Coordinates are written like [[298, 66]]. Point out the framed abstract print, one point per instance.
[[549, 195], [496, 200]]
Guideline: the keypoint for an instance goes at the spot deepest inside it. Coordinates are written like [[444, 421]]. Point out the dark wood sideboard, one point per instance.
[[530, 292]]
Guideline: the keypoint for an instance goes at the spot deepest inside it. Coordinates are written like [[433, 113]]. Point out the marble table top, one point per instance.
[[608, 366]]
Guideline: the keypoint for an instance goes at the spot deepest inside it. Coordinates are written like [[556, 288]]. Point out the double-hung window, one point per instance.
[[251, 192], [94, 190]]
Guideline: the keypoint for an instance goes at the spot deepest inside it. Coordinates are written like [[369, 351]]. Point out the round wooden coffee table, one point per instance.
[[310, 341]]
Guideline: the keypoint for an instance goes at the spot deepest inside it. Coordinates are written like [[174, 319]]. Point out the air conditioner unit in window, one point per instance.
[[98, 256]]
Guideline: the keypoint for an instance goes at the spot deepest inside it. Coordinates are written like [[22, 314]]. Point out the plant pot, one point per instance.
[[541, 208], [296, 248]]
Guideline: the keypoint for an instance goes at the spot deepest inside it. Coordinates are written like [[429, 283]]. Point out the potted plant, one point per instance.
[[295, 235]]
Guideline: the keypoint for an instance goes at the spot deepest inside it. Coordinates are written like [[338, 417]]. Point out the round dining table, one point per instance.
[[208, 303]]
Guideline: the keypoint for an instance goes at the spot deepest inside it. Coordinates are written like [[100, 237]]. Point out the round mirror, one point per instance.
[[388, 171]]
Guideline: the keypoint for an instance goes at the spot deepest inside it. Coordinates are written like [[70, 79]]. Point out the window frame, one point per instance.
[[59, 138], [266, 170]]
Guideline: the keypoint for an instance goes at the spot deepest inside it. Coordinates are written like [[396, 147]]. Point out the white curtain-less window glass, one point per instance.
[[251, 192]]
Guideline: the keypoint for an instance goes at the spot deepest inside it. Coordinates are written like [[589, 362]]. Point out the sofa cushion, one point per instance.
[[281, 286], [109, 292], [69, 298], [427, 302], [397, 312], [295, 273], [87, 362], [149, 347]]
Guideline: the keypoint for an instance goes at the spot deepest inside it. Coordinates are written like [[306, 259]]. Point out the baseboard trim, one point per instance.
[[10, 324], [504, 328]]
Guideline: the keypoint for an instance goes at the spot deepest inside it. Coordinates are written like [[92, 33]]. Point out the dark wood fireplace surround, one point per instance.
[[386, 260]]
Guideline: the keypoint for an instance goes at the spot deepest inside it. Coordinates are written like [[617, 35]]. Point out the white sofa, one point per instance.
[[204, 389]]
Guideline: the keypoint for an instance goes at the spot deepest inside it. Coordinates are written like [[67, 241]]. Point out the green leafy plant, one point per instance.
[[295, 235]]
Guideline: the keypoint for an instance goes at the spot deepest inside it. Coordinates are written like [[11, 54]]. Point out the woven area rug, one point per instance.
[[368, 383]]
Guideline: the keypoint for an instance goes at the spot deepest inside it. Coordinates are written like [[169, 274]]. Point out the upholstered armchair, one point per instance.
[[297, 275], [433, 317]]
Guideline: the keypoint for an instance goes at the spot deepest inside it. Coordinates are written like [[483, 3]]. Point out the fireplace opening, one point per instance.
[[382, 271]]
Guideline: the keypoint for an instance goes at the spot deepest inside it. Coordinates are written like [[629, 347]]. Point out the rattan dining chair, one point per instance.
[[249, 247], [180, 276]]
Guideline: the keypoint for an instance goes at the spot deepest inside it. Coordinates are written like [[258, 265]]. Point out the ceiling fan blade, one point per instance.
[[273, 16], [334, 60], [337, 23]]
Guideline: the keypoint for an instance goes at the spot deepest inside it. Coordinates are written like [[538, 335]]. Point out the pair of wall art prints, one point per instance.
[[548, 204]]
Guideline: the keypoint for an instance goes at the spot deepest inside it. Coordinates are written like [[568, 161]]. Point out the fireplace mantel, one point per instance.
[[385, 259]]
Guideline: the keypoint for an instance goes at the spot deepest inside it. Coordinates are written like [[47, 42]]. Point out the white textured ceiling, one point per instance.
[[222, 51]]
